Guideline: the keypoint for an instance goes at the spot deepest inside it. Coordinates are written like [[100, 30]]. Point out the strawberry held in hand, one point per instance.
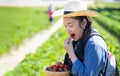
[[58, 67]]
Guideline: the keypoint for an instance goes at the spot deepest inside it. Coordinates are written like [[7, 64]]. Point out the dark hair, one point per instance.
[[87, 31]]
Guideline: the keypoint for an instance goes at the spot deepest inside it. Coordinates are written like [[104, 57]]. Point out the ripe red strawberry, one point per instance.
[[72, 35], [61, 65], [54, 67], [66, 68], [58, 67], [57, 64]]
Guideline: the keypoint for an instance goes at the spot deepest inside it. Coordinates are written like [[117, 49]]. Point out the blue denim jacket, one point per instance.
[[94, 58]]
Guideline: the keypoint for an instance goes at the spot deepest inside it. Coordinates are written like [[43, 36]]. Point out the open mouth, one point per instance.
[[72, 35]]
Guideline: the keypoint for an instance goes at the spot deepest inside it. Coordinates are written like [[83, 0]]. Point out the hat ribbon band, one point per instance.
[[67, 12]]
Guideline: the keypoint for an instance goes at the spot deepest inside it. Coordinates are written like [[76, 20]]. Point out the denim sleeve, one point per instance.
[[94, 59]]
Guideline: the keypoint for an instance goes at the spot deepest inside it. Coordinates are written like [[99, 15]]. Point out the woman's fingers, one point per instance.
[[68, 44], [68, 40]]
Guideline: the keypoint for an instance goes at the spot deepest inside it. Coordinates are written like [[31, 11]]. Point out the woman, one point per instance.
[[85, 48], [84, 59]]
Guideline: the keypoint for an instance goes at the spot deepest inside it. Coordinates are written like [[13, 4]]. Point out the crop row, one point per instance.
[[110, 24], [110, 12], [17, 23]]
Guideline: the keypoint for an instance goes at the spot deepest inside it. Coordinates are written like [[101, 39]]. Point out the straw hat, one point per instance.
[[75, 8]]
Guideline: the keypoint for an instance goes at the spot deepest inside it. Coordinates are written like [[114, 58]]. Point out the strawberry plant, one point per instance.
[[17, 23]]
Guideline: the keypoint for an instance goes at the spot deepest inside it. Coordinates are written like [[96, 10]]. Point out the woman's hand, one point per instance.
[[68, 45], [69, 49]]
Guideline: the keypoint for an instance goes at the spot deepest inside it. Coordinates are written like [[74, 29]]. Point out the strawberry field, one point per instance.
[[52, 50], [110, 21], [18, 23]]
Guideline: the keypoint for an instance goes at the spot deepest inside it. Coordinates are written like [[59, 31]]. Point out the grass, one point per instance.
[[17, 23]]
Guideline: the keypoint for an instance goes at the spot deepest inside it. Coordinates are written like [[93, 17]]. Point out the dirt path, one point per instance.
[[11, 60]]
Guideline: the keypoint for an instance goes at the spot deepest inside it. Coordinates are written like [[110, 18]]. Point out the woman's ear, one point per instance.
[[83, 24]]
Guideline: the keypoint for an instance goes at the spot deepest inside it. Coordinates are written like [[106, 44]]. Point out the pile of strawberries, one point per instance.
[[58, 67]]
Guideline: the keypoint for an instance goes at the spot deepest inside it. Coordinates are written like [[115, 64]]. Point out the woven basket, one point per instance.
[[49, 73]]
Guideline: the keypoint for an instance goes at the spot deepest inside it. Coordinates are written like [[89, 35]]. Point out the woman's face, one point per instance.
[[73, 28]]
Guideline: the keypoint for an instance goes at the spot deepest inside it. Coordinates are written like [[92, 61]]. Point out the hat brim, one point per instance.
[[73, 14]]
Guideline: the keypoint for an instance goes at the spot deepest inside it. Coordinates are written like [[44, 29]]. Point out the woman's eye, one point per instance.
[[71, 25], [65, 26]]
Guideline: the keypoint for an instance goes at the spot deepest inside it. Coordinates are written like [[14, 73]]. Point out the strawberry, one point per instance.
[[66, 68], [61, 65], [72, 35], [54, 67], [58, 67]]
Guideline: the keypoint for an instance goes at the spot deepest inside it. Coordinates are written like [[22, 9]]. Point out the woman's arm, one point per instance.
[[94, 58]]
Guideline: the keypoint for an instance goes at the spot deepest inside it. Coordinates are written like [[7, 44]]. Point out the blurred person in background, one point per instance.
[[50, 12]]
